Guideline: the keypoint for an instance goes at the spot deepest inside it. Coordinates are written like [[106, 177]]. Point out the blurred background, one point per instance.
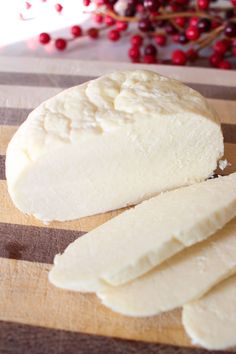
[[199, 40]]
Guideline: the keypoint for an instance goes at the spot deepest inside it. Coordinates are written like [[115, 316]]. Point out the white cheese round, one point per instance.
[[109, 143]]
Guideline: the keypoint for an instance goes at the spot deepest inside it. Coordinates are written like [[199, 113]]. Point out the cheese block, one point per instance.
[[137, 240], [109, 143], [179, 280], [211, 321]]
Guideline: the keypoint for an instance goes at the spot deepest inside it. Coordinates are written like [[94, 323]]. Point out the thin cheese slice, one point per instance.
[[141, 238], [211, 321], [179, 280]]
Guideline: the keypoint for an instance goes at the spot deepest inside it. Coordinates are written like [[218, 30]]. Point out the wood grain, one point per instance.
[[41, 304]]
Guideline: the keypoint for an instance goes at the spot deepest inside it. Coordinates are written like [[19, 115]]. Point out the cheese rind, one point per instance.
[[181, 279], [109, 143], [211, 321], [137, 240]]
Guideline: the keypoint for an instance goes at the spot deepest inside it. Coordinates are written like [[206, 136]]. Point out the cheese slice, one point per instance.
[[211, 321], [137, 240], [182, 278], [109, 143]]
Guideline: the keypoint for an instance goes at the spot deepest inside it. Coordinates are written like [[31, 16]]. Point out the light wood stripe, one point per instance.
[[10, 214], [226, 110], [6, 133], [27, 297], [19, 338], [91, 68]]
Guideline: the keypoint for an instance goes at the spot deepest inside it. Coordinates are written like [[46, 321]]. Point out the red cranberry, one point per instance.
[[192, 54], [136, 40], [121, 26], [151, 5], [193, 21], [76, 31], [58, 7], [204, 25], [28, 5], [93, 33], [98, 18], [130, 11], [145, 25], [192, 33], [182, 38], [179, 57], [114, 35], [233, 2], [150, 49], [109, 21], [60, 43], [234, 51], [160, 39], [170, 29], [225, 64], [203, 4], [221, 47], [149, 59], [86, 2], [215, 59], [230, 29], [134, 52], [180, 21], [100, 2], [44, 38]]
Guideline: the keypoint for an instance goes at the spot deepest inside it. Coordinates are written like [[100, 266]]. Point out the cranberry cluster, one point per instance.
[[191, 24]]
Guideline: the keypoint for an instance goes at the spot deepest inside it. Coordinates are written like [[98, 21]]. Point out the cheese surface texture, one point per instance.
[[111, 142], [179, 280], [140, 238], [211, 321]]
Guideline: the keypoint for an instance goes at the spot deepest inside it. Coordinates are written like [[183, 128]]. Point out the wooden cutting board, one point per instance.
[[36, 317]]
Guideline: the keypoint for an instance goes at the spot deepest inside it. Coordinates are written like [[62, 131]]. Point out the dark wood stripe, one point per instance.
[[42, 80], [2, 167], [34, 244], [213, 91], [16, 338], [229, 132], [13, 116], [64, 81]]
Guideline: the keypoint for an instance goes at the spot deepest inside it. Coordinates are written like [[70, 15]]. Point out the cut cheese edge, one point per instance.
[[139, 239], [111, 142], [181, 279], [211, 321]]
